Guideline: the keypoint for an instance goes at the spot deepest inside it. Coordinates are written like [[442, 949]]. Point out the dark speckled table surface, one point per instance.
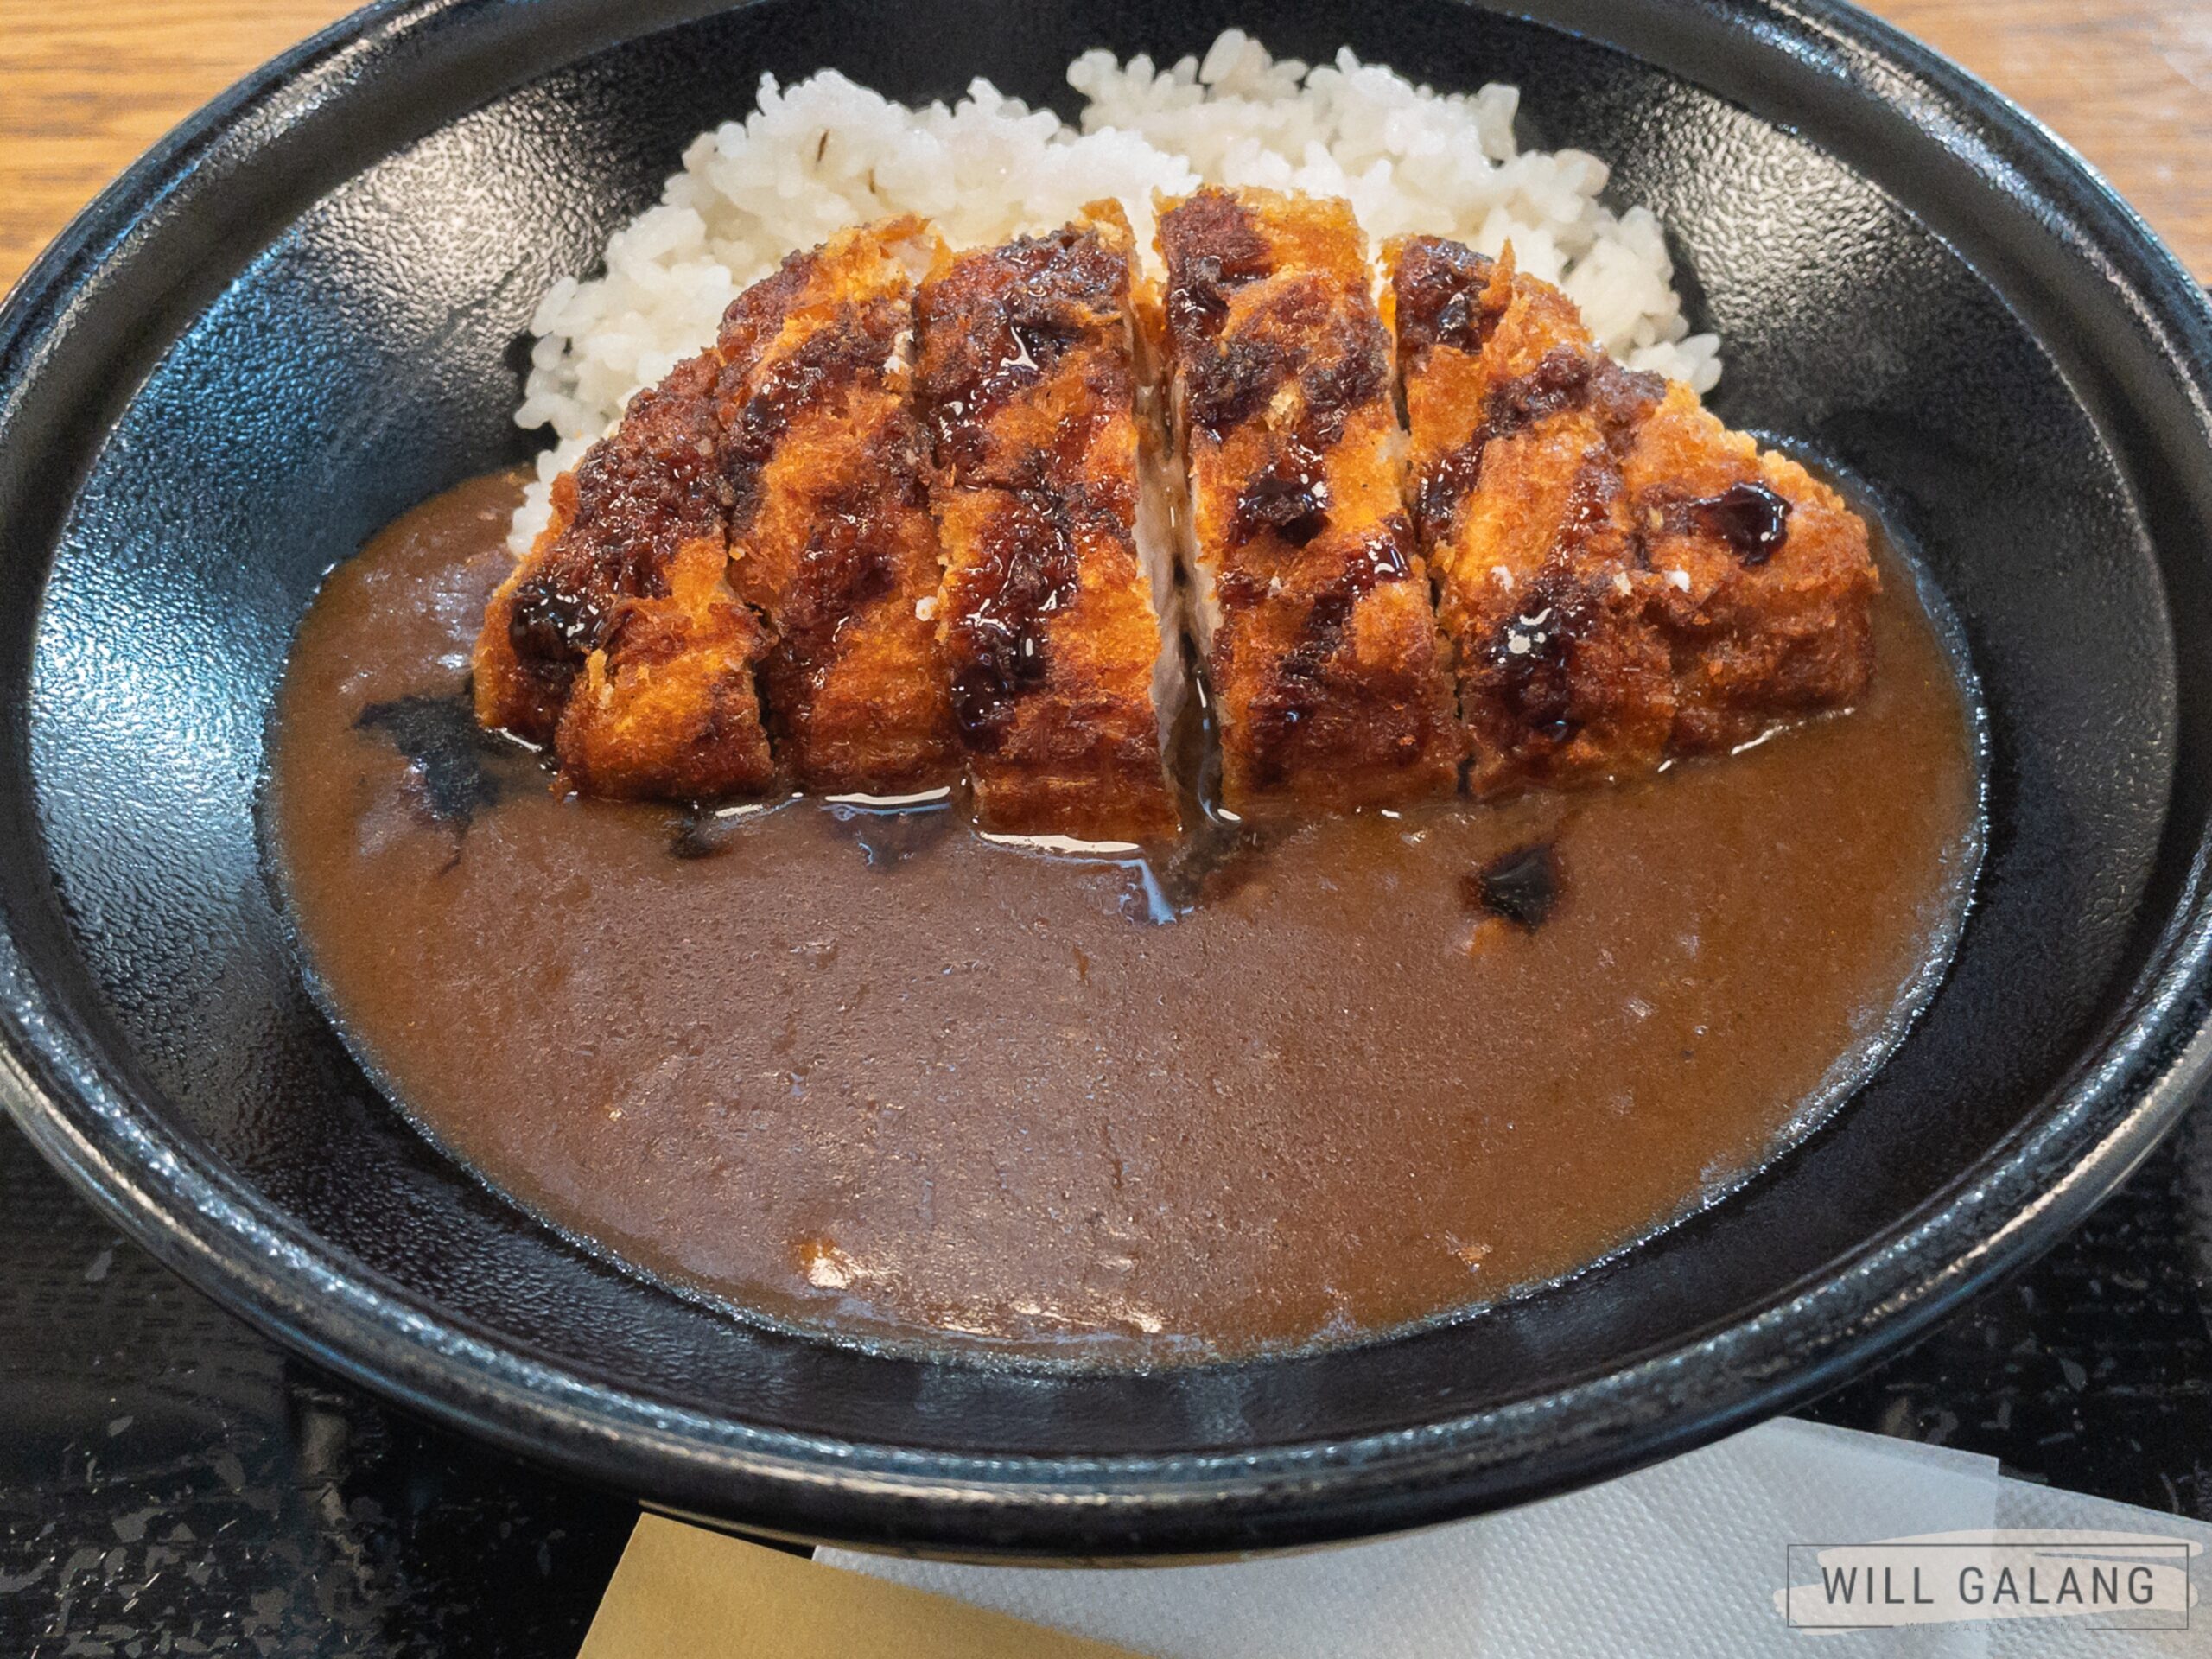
[[172, 1484]]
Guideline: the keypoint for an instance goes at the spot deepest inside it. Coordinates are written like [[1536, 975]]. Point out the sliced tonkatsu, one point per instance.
[[1057, 620], [1764, 575], [830, 537], [879, 531], [1622, 578], [618, 641], [732, 591], [1311, 605], [1515, 426]]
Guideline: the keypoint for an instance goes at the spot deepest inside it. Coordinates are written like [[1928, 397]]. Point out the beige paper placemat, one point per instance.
[[682, 1592]]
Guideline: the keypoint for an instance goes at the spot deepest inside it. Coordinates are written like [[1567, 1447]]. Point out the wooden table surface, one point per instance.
[[84, 88]]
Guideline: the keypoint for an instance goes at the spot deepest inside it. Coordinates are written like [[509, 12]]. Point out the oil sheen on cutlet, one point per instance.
[[1028, 380], [1321, 650]]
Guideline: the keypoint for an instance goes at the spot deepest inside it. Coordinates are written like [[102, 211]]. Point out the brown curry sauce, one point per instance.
[[869, 1072]]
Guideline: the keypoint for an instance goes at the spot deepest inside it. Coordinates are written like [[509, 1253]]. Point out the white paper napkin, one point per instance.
[[1679, 1561]]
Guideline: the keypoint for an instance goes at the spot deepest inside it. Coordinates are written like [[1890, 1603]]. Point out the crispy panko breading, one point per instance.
[[1049, 616], [756, 530], [800, 562], [1621, 576], [1764, 575], [1513, 419], [617, 640], [1312, 606], [831, 537]]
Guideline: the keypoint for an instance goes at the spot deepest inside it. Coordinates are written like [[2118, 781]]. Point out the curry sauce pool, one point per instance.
[[869, 1073]]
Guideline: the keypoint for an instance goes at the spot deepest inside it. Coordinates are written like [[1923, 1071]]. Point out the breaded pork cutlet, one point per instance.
[[1764, 575], [1621, 576], [830, 537], [1517, 426], [1050, 617], [617, 641], [756, 530], [1311, 603]]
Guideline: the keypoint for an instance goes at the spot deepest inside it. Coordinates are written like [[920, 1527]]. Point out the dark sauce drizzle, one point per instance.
[[1752, 520], [852, 349], [1533, 651], [1439, 289], [1002, 322], [640, 494], [997, 324], [685, 462], [1537, 679], [453, 757], [847, 566], [1198, 301], [1522, 886], [1289, 496], [1566, 381], [1026, 571], [1331, 342], [1300, 682]]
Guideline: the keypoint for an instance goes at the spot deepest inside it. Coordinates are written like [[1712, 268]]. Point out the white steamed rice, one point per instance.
[[826, 154]]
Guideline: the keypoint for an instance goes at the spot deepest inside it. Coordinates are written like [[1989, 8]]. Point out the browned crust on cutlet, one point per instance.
[[617, 640], [1046, 618], [1564, 502], [1329, 685], [756, 529], [1753, 640], [830, 535], [1513, 428]]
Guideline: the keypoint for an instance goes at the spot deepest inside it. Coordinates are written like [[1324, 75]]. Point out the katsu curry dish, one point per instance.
[[1222, 773]]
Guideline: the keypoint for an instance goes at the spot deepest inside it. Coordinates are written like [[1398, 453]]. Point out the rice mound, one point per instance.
[[815, 157]]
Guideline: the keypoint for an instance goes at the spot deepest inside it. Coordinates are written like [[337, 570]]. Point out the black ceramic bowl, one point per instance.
[[300, 316]]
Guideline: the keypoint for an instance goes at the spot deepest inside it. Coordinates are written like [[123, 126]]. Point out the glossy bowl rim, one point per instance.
[[2023, 1194]]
